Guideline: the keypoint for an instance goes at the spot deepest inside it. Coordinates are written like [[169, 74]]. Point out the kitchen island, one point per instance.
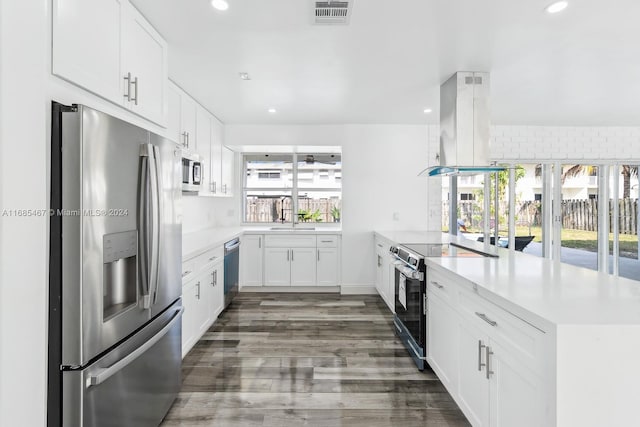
[[521, 340]]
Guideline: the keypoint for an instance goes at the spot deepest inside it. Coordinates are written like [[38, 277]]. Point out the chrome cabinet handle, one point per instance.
[[291, 254], [331, 241], [198, 294], [287, 254], [127, 95], [379, 245], [224, 188], [184, 139], [188, 138], [212, 258], [480, 347], [318, 254], [438, 285], [213, 187], [379, 261], [486, 319], [259, 242], [186, 273], [135, 98], [489, 354]]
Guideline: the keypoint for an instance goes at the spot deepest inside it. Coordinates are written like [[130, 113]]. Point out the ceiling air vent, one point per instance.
[[332, 12]]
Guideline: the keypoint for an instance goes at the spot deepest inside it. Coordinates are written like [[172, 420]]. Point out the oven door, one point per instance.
[[409, 302]]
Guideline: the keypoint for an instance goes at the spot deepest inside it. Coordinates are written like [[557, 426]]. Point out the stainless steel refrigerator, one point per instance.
[[115, 282]]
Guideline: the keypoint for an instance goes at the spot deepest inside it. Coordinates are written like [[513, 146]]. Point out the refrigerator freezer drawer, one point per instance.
[[134, 384]]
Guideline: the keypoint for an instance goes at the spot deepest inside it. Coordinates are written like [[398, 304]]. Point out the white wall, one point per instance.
[[380, 167], [208, 212], [23, 184]]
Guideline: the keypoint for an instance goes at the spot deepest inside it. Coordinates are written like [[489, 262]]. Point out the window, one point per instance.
[[467, 196], [288, 188]]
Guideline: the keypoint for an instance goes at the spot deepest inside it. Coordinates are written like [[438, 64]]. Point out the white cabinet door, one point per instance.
[[174, 113], [145, 57], [517, 394], [204, 288], [188, 118], [303, 267], [381, 280], [277, 267], [390, 281], [217, 135], [473, 386], [86, 45], [328, 267], [217, 292], [228, 159], [203, 146], [442, 341], [251, 256], [189, 322]]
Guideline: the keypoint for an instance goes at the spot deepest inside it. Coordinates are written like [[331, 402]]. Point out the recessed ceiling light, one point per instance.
[[556, 7], [244, 76], [427, 110], [220, 4], [272, 110]]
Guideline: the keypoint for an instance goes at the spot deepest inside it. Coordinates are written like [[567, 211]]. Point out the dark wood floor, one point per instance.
[[307, 360]]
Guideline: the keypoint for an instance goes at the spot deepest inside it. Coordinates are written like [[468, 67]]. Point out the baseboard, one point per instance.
[[358, 290], [292, 289]]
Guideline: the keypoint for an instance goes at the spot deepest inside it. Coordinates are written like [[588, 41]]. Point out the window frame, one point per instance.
[[294, 190]]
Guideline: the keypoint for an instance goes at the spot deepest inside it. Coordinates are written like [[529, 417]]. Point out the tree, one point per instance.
[[627, 173]]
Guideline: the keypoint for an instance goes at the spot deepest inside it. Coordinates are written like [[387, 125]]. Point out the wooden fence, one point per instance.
[[576, 214], [274, 210]]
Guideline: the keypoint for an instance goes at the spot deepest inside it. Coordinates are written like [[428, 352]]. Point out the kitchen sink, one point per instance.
[[292, 229]]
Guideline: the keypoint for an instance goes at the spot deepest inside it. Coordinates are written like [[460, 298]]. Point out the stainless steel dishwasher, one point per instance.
[[231, 270]]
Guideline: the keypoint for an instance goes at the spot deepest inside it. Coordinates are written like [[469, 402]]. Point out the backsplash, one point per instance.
[[208, 212]]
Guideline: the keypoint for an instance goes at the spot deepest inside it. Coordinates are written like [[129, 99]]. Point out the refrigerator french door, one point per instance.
[[115, 282]]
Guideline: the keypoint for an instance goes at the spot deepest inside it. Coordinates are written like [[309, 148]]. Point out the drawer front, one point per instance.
[[442, 285], [214, 255], [525, 340], [289, 241], [327, 241], [188, 270]]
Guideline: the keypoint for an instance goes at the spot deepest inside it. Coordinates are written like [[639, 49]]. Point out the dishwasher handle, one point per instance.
[[231, 246]]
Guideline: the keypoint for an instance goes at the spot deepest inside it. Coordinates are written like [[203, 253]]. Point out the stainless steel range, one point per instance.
[[411, 291]]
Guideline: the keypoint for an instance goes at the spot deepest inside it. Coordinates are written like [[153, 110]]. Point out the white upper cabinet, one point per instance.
[[86, 45], [109, 49], [228, 162], [203, 146], [145, 67], [217, 135], [174, 113], [188, 119]]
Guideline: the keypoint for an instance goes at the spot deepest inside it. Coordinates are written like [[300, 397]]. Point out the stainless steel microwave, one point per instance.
[[191, 172]]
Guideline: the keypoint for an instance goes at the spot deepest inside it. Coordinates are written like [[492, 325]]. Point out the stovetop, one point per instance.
[[443, 250]]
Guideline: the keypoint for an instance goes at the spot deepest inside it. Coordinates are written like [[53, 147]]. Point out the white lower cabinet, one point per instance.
[[290, 260], [303, 267], [251, 259], [488, 359], [328, 273], [442, 341], [385, 272], [202, 295], [277, 267]]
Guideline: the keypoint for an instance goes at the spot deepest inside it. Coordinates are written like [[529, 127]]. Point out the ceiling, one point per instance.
[[578, 67]]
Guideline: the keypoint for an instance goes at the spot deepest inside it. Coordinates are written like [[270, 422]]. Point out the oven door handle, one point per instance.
[[410, 273]]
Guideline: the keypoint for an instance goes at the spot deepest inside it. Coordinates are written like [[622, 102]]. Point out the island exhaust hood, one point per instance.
[[464, 126]]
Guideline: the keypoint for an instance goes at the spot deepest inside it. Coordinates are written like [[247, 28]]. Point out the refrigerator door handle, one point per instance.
[[148, 222], [157, 241], [106, 373]]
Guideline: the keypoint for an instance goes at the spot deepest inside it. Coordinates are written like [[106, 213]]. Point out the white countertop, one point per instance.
[[541, 290], [197, 242], [301, 229]]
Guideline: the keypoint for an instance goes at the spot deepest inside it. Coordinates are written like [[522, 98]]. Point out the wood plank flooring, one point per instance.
[[307, 360]]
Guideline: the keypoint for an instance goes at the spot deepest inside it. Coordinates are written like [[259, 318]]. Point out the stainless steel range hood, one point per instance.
[[464, 126]]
